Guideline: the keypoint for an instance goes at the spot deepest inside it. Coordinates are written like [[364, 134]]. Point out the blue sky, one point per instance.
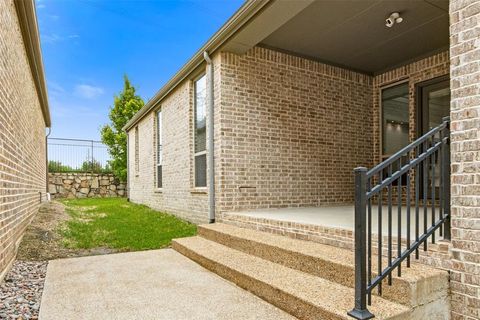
[[88, 45]]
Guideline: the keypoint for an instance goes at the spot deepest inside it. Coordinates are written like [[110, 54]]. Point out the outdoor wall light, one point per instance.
[[394, 18]]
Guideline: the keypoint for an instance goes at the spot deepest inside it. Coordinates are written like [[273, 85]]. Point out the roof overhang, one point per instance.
[[240, 33], [349, 33], [29, 27], [353, 34]]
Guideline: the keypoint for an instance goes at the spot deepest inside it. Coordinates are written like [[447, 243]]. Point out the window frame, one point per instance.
[[203, 152], [158, 148], [137, 151], [383, 156], [380, 102]]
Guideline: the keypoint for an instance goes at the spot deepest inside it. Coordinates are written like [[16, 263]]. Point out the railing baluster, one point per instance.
[[441, 182], [399, 222], [417, 203], [433, 194], [425, 194], [389, 249], [408, 212], [380, 237], [369, 244]]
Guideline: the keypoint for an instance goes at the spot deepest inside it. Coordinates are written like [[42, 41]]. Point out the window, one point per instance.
[[159, 149], [395, 125], [137, 156], [200, 132]]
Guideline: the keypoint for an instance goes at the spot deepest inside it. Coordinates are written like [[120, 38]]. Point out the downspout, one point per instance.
[[46, 164], [128, 167], [211, 150]]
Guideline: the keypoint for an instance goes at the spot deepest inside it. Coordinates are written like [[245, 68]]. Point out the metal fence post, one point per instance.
[[92, 159], [446, 179], [360, 310]]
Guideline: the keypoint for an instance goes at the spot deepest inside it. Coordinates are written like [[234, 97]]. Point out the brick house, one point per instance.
[[24, 115], [263, 127]]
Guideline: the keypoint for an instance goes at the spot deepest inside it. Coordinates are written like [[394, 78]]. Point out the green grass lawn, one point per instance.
[[117, 224]]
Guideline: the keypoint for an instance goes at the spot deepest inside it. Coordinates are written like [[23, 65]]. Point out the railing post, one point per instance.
[[446, 179], [360, 310]]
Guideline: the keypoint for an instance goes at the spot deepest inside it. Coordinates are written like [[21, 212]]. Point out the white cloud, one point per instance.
[[54, 88], [87, 91], [54, 38], [51, 38]]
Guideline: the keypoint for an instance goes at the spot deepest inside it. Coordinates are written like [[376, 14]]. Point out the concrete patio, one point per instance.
[[342, 217], [157, 284]]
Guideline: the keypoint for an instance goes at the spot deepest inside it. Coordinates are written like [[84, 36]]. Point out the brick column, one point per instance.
[[465, 148]]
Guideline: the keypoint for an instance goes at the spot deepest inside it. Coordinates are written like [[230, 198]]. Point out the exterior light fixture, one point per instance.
[[392, 19]]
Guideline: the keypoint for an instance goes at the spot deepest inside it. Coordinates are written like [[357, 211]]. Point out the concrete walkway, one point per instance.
[[157, 284]]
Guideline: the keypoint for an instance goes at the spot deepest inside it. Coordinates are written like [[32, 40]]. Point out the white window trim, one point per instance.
[[159, 155], [202, 189], [136, 151]]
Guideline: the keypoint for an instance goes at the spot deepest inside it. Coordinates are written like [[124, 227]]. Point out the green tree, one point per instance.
[[58, 166], [125, 105], [91, 166]]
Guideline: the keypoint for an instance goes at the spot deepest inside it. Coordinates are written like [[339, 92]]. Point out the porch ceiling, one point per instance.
[[353, 33]]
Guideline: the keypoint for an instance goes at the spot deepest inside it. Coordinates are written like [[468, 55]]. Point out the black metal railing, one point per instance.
[[418, 176], [77, 155]]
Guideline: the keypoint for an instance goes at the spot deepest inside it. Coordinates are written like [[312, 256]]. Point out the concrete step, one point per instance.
[[419, 285], [301, 294]]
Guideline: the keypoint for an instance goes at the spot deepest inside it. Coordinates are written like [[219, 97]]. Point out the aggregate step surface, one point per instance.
[[417, 286], [303, 295]]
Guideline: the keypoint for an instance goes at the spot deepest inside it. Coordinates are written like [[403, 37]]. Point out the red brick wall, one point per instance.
[[291, 130]]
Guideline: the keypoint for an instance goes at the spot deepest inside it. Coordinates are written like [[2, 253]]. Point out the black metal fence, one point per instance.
[[422, 207], [76, 155]]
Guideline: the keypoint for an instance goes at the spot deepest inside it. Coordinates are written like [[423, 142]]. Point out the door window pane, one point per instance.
[[395, 124], [438, 106]]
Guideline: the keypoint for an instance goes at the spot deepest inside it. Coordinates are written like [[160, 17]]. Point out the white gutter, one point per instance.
[[210, 142], [27, 19]]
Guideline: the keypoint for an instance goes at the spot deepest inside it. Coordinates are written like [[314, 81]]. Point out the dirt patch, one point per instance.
[[43, 241]]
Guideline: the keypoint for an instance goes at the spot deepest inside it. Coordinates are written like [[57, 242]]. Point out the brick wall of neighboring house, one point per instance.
[[465, 149], [292, 131], [22, 138]]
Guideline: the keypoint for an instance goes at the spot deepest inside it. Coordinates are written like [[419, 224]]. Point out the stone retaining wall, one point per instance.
[[84, 185]]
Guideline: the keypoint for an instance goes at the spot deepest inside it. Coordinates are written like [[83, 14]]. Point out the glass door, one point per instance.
[[434, 105]]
